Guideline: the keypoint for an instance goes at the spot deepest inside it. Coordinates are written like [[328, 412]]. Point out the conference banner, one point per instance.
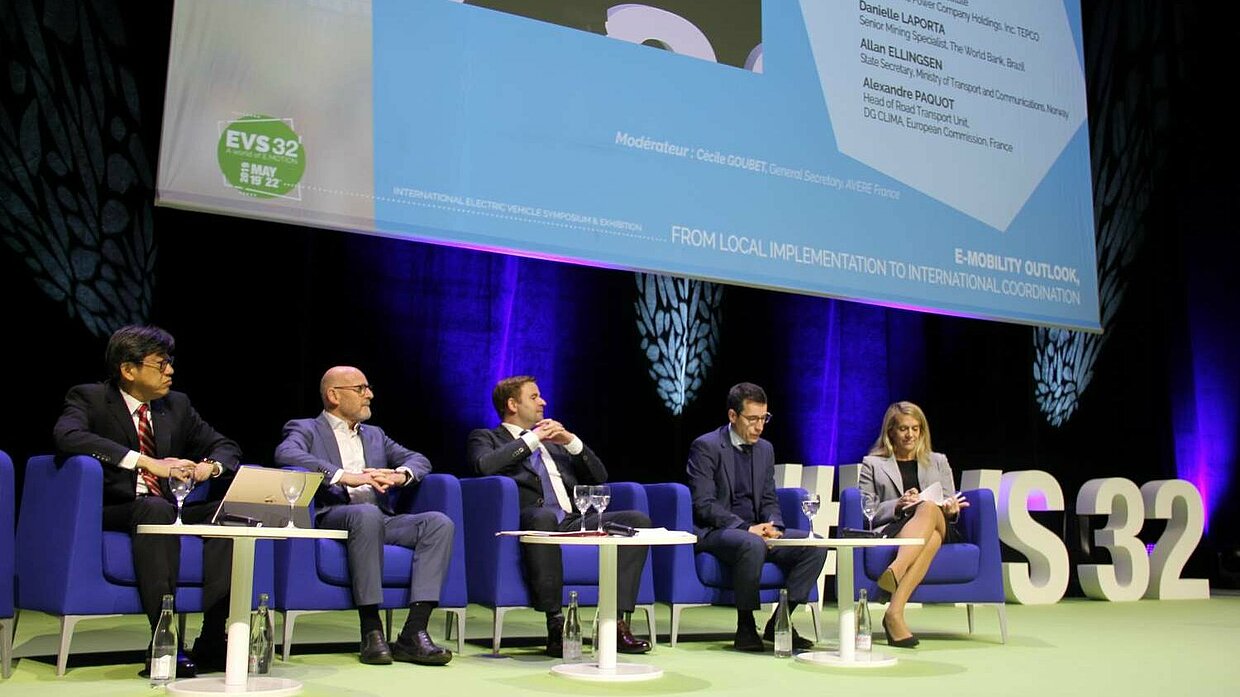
[[930, 154]]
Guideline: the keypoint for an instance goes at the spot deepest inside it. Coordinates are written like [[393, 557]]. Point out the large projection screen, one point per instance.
[[930, 154]]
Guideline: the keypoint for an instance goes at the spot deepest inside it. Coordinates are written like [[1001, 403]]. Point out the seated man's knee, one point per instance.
[[364, 519], [540, 519], [155, 510], [752, 546], [634, 519], [438, 523], [819, 554]]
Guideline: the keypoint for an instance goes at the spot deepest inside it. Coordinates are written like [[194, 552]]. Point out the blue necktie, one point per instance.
[[549, 499]]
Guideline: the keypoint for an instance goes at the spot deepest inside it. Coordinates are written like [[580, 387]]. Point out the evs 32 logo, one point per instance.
[[721, 31]]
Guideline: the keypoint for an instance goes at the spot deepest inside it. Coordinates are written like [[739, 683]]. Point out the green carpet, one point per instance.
[[1076, 647]]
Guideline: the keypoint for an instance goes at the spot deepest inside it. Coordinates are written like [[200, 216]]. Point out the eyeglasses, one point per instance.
[[359, 389], [764, 418], [161, 366]]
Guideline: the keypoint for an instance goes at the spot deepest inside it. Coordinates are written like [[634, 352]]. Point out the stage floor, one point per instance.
[[1076, 647]]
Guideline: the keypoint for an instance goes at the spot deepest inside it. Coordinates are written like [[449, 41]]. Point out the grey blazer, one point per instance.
[[881, 476], [311, 444]]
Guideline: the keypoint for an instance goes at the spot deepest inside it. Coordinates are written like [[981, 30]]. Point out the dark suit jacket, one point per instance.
[[96, 422], [496, 451], [710, 483], [311, 444]]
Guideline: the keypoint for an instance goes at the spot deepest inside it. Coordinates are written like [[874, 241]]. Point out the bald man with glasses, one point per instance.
[[362, 466]]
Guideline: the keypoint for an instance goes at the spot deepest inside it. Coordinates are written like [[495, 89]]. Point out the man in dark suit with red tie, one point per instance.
[[547, 461], [145, 435]]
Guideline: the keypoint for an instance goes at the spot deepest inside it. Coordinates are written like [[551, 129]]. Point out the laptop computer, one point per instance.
[[256, 497]]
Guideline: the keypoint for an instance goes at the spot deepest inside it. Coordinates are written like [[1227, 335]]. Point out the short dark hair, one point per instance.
[[132, 343], [506, 389], [742, 392]]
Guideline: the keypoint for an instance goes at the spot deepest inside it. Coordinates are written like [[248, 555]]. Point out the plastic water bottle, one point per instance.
[[783, 627], [164, 646], [572, 631], [262, 638], [865, 640]]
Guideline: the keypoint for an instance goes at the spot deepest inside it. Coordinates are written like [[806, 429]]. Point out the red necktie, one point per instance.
[[146, 446]]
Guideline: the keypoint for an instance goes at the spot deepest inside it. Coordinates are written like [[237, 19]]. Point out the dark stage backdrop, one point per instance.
[[260, 310]]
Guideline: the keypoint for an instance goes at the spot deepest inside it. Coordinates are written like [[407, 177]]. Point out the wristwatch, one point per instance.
[[217, 467]]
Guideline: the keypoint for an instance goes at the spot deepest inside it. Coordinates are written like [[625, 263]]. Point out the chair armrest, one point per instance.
[[790, 507], [62, 510], [493, 506], [850, 509], [675, 571], [8, 497], [628, 496], [670, 506]]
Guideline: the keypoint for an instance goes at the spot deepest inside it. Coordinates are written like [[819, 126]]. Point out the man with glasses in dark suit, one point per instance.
[[735, 510], [145, 435]]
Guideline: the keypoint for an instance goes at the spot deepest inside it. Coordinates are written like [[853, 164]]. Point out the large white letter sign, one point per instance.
[[1128, 573], [1044, 579], [1180, 503]]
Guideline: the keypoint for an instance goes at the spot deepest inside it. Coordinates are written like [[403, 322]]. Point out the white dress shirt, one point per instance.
[[574, 447]]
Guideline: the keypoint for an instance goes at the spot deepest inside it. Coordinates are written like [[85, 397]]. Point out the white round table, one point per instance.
[[846, 656], [607, 669], [236, 680]]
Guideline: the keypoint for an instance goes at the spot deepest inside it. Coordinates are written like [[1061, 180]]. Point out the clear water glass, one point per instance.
[[809, 506], [292, 485], [181, 489], [869, 507], [600, 496], [582, 500]]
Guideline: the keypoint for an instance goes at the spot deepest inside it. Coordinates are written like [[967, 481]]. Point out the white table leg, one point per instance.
[[239, 612], [846, 657], [607, 669], [236, 680], [607, 609], [847, 612]]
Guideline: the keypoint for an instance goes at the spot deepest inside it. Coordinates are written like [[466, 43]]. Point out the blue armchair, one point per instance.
[[494, 563], [969, 572], [8, 619], [313, 575], [70, 567], [685, 579]]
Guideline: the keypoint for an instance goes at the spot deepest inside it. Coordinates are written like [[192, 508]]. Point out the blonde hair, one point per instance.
[[883, 447]]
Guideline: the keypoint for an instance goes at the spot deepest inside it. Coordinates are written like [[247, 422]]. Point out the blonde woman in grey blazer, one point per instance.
[[905, 437]]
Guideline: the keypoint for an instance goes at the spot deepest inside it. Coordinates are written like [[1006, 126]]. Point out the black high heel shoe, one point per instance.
[[906, 643]]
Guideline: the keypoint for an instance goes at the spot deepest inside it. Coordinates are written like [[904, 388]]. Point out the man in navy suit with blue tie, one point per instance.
[[547, 461], [362, 464]]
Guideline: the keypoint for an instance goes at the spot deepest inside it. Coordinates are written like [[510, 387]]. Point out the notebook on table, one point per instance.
[[256, 497]]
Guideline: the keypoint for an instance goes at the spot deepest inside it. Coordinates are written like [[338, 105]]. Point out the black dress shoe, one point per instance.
[[374, 650], [211, 656], [798, 641], [747, 639], [626, 642], [906, 643], [555, 636], [421, 650], [185, 667]]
